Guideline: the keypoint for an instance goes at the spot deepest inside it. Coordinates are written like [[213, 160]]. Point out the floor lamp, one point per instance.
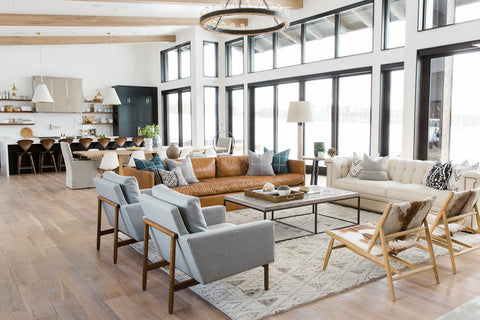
[[300, 112]]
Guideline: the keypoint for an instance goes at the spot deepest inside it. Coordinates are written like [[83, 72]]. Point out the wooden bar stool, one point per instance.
[[85, 142], [47, 144], [25, 144], [60, 154], [120, 141], [137, 140], [104, 142]]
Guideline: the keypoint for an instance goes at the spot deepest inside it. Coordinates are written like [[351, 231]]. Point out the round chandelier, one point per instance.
[[238, 17]]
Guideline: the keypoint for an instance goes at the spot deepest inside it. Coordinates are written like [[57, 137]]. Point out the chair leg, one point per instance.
[[430, 251], [41, 158], [329, 252], [32, 163], [19, 162], [115, 237], [145, 256], [171, 285], [265, 277], [386, 264], [59, 161], [99, 223], [54, 163], [450, 250]]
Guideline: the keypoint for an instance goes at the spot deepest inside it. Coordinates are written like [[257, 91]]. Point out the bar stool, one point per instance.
[[120, 141], [60, 154], [137, 140], [85, 142], [104, 142], [47, 144], [25, 144]]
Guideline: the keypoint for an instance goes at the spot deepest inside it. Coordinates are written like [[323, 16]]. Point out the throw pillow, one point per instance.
[[280, 161], [157, 177], [374, 168], [148, 165], [439, 174], [188, 206], [260, 164], [180, 178], [186, 166], [169, 178], [129, 185], [356, 167], [456, 181]]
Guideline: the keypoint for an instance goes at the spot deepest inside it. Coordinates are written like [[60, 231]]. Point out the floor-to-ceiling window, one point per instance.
[[234, 57], [235, 117], [175, 62], [177, 115], [264, 118], [210, 59], [286, 131], [210, 105]]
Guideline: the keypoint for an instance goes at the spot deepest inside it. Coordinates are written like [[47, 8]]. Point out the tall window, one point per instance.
[[450, 115], [210, 59], [289, 46], [175, 62], [391, 117], [235, 117], [320, 39], [210, 96], [356, 31], [264, 118], [393, 23], [354, 105], [286, 131], [177, 115], [439, 13], [262, 54], [234, 57]]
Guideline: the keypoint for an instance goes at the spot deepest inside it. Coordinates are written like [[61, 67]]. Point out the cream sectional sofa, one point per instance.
[[406, 183]]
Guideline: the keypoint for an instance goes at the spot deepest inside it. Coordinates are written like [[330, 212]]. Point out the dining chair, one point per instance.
[[79, 173], [137, 154], [109, 161], [59, 154]]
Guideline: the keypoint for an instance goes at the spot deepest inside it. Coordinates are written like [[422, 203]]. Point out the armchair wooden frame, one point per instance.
[[386, 256], [448, 241], [116, 241], [173, 285]]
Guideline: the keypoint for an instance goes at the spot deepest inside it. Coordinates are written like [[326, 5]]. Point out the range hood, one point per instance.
[[67, 94]]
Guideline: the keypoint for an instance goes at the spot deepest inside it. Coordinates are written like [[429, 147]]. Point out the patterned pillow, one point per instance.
[[169, 178], [280, 161], [180, 178], [186, 166], [147, 165], [457, 180], [357, 166], [157, 178], [439, 174], [260, 164]]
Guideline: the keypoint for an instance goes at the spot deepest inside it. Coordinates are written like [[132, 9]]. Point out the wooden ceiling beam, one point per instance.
[[49, 20], [293, 4], [62, 40]]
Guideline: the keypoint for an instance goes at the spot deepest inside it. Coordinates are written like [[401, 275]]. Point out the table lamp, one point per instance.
[[300, 112]]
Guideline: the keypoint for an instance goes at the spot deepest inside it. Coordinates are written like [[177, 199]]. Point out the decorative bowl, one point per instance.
[[283, 190]]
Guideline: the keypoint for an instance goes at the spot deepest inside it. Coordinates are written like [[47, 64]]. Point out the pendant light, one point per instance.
[[41, 95], [110, 96]]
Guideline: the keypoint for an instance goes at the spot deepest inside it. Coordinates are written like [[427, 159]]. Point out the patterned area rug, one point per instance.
[[296, 276]]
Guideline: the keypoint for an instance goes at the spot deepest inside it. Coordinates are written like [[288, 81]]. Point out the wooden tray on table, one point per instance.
[[260, 194]]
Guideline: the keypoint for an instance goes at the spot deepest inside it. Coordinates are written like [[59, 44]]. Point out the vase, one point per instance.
[[320, 154], [173, 152], [148, 144], [156, 142]]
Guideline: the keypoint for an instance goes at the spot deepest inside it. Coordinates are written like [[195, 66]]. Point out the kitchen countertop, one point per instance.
[[11, 141]]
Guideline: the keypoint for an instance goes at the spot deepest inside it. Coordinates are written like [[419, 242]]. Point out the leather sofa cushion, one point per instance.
[[204, 168], [232, 166]]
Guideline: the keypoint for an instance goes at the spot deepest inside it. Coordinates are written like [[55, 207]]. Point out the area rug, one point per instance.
[[296, 276], [467, 311]]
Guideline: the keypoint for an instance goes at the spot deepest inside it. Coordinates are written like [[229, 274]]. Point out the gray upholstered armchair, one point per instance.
[[219, 251], [118, 195]]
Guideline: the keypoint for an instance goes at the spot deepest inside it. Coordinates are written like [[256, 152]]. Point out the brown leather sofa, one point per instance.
[[222, 176]]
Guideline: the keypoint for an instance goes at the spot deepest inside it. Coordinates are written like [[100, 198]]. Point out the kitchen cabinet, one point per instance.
[[67, 94]]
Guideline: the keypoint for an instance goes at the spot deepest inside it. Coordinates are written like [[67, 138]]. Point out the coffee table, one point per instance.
[[316, 196]]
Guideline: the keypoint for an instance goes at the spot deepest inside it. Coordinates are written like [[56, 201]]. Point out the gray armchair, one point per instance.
[[119, 198], [79, 173], [221, 251]]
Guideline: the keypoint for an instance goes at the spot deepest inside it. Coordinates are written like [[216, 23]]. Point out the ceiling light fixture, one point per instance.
[[110, 96], [41, 95], [238, 17]]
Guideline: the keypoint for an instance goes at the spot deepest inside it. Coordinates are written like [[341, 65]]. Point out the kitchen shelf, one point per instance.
[[17, 124], [98, 124], [98, 112], [29, 100], [17, 112], [92, 101]]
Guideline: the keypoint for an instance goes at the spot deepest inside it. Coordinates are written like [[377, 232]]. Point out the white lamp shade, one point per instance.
[[42, 95], [110, 97], [138, 154], [109, 161], [300, 111]]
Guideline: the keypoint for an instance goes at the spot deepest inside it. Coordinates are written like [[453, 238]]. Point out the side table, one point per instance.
[[314, 177]]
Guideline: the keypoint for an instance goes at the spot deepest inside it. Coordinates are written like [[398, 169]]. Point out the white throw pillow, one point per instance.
[[357, 166], [457, 180]]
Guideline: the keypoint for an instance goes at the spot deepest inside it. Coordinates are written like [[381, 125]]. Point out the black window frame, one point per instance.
[[166, 126], [164, 63], [385, 25], [228, 56], [384, 125], [217, 110], [205, 42]]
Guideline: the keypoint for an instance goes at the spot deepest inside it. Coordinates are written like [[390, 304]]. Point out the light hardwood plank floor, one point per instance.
[[49, 269]]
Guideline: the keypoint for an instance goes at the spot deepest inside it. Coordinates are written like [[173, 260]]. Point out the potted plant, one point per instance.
[[149, 132], [320, 152]]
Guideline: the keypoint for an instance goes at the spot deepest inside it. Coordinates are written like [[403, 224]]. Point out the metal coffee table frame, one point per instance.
[[314, 200]]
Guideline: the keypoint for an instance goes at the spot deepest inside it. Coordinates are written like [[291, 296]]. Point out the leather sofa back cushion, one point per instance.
[[204, 168], [232, 166]]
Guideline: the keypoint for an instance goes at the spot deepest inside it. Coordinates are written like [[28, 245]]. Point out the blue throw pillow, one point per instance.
[[147, 165], [280, 161]]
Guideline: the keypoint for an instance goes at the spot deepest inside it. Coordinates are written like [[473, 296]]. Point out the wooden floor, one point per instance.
[[49, 269]]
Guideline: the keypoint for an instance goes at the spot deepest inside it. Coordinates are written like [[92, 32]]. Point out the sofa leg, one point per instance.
[[265, 276]]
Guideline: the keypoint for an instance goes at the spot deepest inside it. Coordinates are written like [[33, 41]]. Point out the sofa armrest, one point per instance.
[[296, 166], [337, 167], [146, 191], [472, 179], [214, 215], [145, 179]]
